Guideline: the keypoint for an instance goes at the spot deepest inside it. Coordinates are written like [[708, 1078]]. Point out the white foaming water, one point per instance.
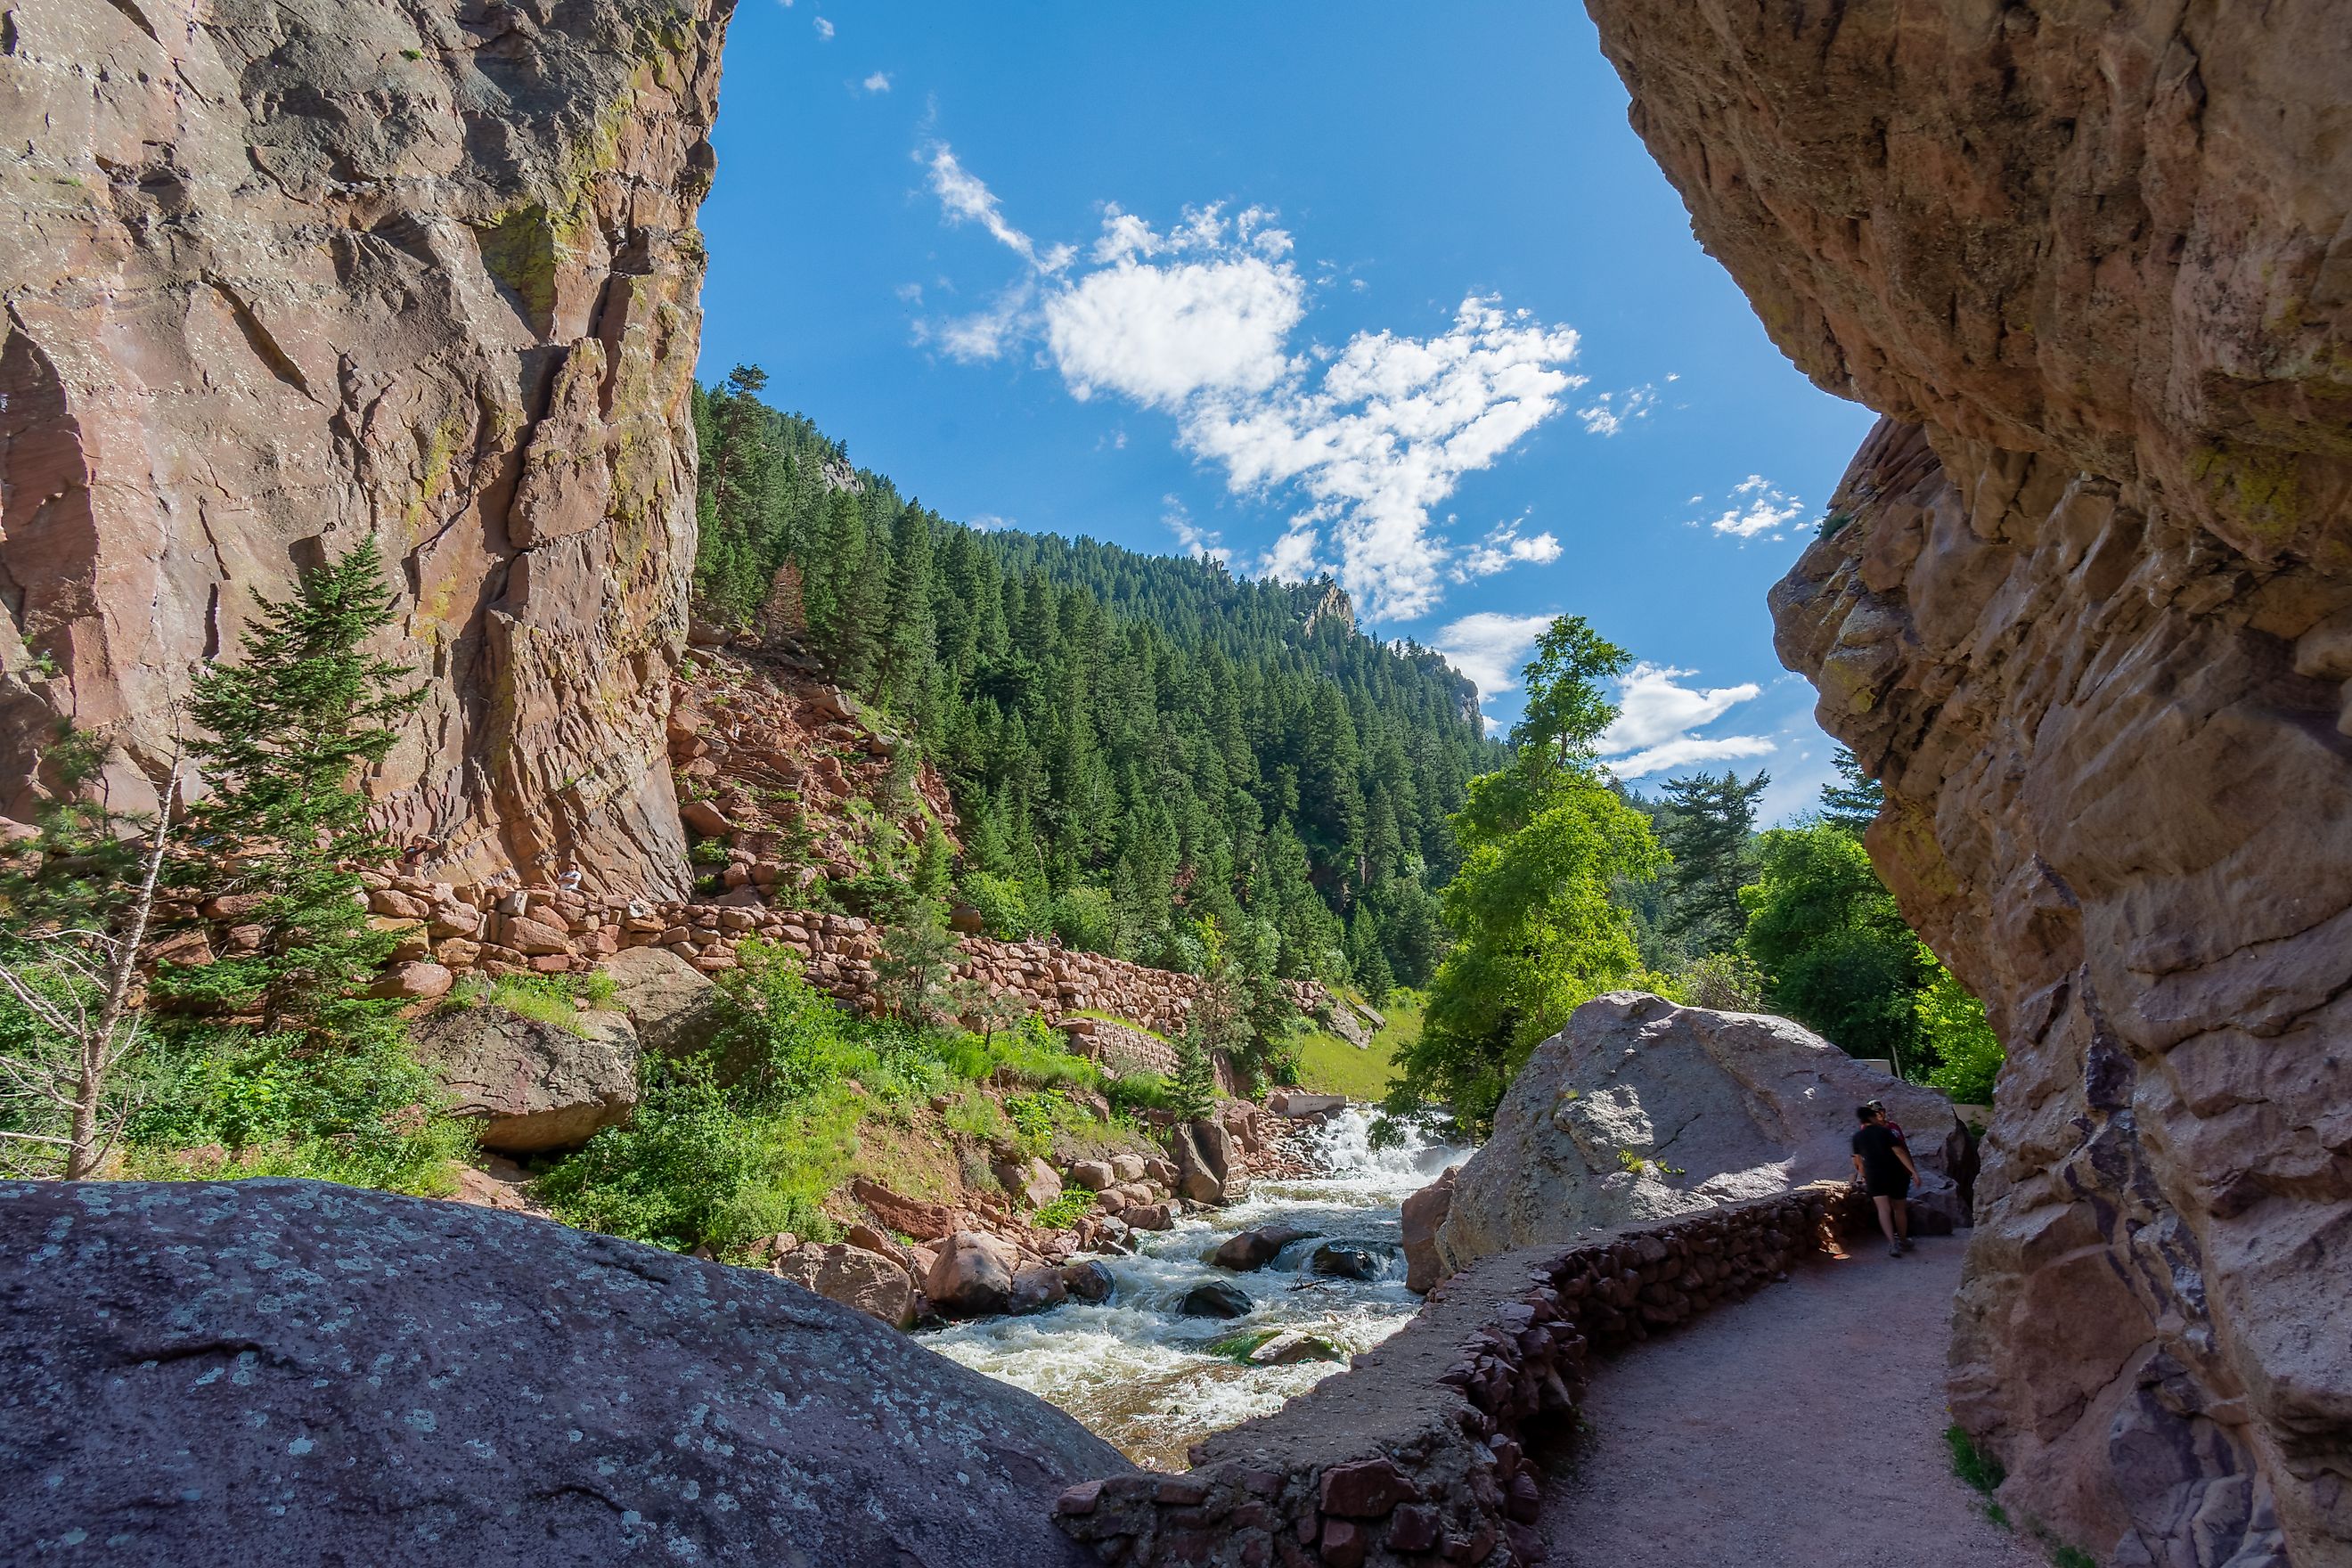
[[1139, 1374]]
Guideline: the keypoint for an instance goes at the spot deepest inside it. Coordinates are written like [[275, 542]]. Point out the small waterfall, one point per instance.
[[1145, 1377]]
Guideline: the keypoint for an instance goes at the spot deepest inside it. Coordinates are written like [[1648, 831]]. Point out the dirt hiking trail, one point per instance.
[[1801, 1428]]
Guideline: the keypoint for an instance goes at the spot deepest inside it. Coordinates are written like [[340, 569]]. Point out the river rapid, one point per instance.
[[1143, 1376]]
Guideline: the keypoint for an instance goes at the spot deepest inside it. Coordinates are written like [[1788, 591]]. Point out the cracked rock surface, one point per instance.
[[284, 274], [282, 1371], [2084, 602]]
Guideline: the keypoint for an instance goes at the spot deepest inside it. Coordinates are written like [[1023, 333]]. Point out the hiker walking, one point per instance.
[[1882, 1163]]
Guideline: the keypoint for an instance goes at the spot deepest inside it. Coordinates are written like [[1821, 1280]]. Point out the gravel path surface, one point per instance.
[[1802, 1427]]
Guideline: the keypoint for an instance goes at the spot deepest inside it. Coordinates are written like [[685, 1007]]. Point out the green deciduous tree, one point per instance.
[[1543, 844], [1840, 957]]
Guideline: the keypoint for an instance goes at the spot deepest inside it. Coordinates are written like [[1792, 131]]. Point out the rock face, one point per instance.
[[1640, 1110], [528, 1086], [2088, 615], [312, 1373], [286, 275]]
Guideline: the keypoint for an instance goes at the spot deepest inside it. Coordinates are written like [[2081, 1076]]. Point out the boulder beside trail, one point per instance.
[[269, 1372], [531, 1087], [1640, 1110], [673, 1005], [1424, 1212]]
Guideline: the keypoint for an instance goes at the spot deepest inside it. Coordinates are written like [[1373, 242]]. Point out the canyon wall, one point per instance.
[[2084, 602], [287, 275]]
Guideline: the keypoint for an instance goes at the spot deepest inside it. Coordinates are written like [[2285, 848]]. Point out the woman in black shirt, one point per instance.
[[1883, 1165]]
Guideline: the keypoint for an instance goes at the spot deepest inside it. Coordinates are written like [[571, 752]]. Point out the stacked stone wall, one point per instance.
[[448, 929], [1414, 1455]]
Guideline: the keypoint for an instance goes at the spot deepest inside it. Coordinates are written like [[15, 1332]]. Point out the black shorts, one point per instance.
[[1896, 1187]]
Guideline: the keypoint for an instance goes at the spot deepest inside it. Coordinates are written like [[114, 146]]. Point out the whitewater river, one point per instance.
[[1140, 1374]]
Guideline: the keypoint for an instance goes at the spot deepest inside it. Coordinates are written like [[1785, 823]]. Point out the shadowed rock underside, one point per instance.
[[2084, 602]]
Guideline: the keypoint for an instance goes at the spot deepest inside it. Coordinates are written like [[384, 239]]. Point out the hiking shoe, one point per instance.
[[1904, 1244], [1893, 1249]]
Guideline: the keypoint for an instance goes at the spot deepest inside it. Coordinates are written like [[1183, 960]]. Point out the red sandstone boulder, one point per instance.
[[871, 1282], [973, 1275], [1423, 1212]]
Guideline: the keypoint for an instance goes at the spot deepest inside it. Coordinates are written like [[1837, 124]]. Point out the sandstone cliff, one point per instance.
[[284, 275], [2085, 603]]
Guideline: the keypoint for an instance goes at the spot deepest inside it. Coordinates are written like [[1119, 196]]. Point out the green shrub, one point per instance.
[[361, 1114], [1953, 1026], [1975, 1467], [692, 1169], [976, 1117], [1003, 907], [1138, 1091], [1064, 1211], [1085, 918]]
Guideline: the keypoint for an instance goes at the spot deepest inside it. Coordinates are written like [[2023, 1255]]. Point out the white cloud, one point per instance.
[[1502, 548], [912, 293], [1159, 335], [989, 522], [878, 82], [966, 199], [1684, 750], [1612, 411], [1199, 543], [823, 28], [1491, 649], [1757, 507], [1292, 557], [1199, 320], [1655, 718]]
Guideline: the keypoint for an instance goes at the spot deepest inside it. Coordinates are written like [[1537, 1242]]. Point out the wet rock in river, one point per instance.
[[1215, 1300], [1256, 1248], [1338, 1260]]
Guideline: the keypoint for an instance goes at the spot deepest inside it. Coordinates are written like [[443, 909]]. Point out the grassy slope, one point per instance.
[[1329, 1064]]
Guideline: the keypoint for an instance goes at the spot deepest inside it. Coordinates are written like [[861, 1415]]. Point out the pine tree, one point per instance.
[[1708, 828], [290, 727], [1851, 803]]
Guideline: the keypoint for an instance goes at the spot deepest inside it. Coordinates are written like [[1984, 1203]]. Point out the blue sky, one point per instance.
[[1391, 292]]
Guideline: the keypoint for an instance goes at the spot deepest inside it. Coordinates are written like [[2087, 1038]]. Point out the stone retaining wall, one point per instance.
[[1413, 1456], [451, 929]]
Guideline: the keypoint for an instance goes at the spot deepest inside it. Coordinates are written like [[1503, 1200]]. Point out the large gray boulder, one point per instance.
[[1640, 1110], [529, 1086], [277, 1372], [673, 1005]]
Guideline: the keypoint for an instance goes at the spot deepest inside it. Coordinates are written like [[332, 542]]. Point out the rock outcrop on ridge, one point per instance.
[[2084, 602], [283, 276], [277, 1371], [1641, 1111]]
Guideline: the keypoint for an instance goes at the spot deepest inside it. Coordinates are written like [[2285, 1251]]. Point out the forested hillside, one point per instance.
[[1134, 742]]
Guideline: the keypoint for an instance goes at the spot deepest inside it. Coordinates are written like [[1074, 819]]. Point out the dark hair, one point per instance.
[[1867, 1112]]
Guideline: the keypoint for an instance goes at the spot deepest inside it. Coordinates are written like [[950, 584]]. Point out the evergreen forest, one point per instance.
[[1137, 744]]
